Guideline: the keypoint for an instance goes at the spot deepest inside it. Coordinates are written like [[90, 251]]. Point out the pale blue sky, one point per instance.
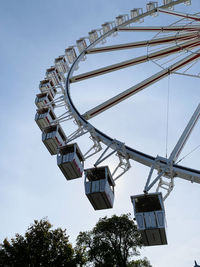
[[32, 34]]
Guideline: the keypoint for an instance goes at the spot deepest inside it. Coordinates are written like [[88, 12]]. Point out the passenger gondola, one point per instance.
[[61, 64], [43, 100], [99, 187], [53, 138], [44, 117], [150, 217], [47, 86], [70, 160], [93, 36]]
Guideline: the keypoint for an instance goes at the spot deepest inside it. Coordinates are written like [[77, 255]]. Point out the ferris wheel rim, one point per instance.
[[141, 157]]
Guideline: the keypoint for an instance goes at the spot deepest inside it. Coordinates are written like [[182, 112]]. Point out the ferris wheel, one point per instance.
[[174, 49]]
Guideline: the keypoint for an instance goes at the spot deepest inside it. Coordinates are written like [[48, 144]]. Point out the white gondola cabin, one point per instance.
[[53, 74], [135, 13], [70, 54], [150, 217], [93, 36], [81, 45], [151, 6], [106, 27], [99, 187], [44, 117], [47, 86], [70, 160], [121, 19], [43, 100], [53, 137], [61, 64]]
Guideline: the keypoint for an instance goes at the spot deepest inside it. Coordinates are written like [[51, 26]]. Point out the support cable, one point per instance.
[[188, 154], [190, 66], [167, 118]]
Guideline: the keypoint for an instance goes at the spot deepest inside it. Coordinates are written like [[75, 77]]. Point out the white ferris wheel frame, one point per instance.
[[165, 167]]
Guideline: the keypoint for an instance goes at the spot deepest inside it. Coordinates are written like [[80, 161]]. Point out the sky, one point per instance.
[[33, 34]]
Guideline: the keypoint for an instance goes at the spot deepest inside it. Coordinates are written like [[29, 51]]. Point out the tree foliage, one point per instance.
[[112, 242], [41, 246]]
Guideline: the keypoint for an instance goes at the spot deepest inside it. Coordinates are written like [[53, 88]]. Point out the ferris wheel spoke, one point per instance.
[[182, 15], [138, 60], [159, 41], [160, 28], [140, 86]]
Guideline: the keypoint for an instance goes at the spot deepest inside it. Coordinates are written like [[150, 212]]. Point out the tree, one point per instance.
[[41, 246], [112, 242]]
